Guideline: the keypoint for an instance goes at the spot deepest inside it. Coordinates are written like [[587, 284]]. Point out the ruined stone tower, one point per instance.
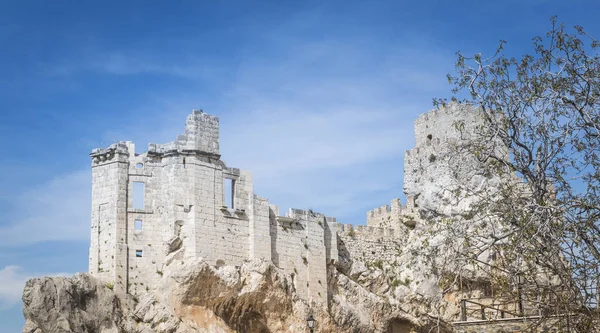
[[440, 173], [181, 200], [108, 246]]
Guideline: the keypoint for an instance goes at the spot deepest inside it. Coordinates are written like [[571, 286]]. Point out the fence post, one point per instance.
[[519, 296], [463, 310], [597, 289], [482, 312]]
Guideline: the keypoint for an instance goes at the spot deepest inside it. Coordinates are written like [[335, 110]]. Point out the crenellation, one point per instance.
[[390, 216]]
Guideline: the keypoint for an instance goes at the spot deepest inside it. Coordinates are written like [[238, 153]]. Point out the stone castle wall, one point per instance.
[[108, 249], [185, 212], [385, 216], [371, 244], [437, 135], [394, 216]]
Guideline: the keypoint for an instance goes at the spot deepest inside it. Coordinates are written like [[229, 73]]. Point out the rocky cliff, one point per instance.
[[197, 297]]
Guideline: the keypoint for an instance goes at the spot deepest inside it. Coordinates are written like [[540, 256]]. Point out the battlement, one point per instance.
[[380, 211], [119, 150], [369, 232], [393, 215], [385, 216]]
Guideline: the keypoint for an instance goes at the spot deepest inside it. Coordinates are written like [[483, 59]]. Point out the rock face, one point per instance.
[[198, 297], [70, 304]]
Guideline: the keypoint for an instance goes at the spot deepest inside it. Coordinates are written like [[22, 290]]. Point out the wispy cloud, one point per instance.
[[56, 210], [125, 63], [321, 124], [12, 281], [327, 128], [332, 160]]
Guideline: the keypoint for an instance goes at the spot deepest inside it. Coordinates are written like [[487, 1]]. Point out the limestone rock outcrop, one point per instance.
[[197, 297]]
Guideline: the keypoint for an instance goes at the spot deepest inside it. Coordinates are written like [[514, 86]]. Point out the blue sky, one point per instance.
[[317, 98]]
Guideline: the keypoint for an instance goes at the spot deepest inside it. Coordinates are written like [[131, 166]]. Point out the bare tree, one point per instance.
[[541, 131]]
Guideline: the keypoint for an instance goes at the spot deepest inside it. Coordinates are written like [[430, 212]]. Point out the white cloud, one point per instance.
[[12, 282], [56, 210]]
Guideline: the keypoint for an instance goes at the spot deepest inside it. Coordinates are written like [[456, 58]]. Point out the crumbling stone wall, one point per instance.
[[433, 168], [299, 246], [442, 174], [372, 244], [185, 212]]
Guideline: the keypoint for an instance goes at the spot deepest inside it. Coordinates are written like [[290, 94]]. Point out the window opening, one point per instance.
[[139, 165], [138, 253], [183, 163], [137, 225], [138, 190], [228, 190]]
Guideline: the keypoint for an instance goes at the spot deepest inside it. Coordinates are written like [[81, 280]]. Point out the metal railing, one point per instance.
[[477, 309], [528, 303]]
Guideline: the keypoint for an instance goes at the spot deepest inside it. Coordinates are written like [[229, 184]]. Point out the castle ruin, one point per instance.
[[180, 200]]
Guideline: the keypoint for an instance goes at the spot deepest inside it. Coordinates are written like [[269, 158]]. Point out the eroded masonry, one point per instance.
[[180, 200]]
